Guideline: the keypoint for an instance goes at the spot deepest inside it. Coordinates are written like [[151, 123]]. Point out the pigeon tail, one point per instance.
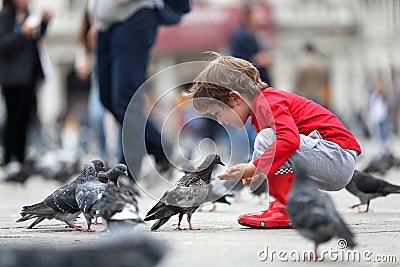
[[223, 200], [164, 212], [391, 189], [34, 211], [159, 223]]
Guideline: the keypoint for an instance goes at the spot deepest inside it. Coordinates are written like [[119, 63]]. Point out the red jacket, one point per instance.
[[290, 115]]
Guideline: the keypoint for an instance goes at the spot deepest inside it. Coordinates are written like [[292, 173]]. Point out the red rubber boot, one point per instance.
[[275, 217]]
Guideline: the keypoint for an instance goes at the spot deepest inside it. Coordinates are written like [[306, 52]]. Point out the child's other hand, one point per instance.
[[247, 181]]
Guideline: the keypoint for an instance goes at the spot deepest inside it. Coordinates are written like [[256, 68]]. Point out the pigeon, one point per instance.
[[61, 204], [87, 196], [217, 193], [59, 165], [16, 173], [113, 173], [383, 164], [187, 195], [129, 249], [119, 205], [313, 213], [366, 187]]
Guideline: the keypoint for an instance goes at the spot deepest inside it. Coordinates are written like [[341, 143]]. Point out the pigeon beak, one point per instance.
[[126, 173], [221, 163]]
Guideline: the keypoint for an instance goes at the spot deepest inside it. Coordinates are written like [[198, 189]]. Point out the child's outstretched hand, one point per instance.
[[237, 172]]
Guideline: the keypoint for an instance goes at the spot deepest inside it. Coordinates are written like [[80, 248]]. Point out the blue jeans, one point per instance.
[[122, 54]]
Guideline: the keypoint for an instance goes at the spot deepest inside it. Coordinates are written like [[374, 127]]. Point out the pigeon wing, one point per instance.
[[186, 197], [87, 194]]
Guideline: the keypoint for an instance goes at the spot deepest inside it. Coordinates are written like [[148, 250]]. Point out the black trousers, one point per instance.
[[20, 102]]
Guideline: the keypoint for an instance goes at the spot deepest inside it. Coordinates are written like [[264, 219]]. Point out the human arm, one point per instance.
[[239, 171], [279, 118]]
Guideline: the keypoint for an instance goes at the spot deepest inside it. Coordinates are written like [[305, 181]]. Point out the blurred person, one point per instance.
[[244, 41], [84, 70], [312, 76], [394, 99], [290, 127], [378, 103], [126, 32], [20, 73]]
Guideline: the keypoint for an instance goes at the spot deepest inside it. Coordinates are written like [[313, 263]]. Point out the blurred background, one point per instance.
[[350, 47]]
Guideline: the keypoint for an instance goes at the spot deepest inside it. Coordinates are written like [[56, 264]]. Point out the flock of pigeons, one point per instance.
[[110, 194]]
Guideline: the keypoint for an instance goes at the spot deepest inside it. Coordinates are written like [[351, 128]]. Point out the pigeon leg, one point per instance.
[[189, 216], [96, 221], [315, 252], [179, 222], [367, 207], [76, 227], [355, 206], [214, 207]]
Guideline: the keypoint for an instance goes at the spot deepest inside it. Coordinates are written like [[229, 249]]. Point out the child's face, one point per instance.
[[234, 115]]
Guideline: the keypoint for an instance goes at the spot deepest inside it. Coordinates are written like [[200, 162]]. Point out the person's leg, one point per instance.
[[25, 108], [130, 45], [330, 166], [278, 187], [11, 96], [96, 116], [103, 68]]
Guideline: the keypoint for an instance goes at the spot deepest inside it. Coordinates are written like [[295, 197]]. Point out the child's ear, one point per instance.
[[236, 96]]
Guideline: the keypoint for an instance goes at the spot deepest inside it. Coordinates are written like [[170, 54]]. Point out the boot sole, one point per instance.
[[266, 227]]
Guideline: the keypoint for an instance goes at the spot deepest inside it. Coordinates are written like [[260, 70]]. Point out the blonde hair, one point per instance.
[[223, 75]]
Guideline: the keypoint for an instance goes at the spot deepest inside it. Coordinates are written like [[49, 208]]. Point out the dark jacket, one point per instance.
[[19, 57]]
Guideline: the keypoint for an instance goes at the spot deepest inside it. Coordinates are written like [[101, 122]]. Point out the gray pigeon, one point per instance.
[[366, 187], [313, 213], [119, 206], [383, 164], [61, 204], [129, 249], [113, 173], [87, 197], [188, 194]]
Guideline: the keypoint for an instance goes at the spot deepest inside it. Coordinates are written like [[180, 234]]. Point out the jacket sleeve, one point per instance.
[[287, 139]]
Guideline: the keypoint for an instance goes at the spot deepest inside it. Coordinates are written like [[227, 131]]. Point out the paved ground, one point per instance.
[[221, 241]]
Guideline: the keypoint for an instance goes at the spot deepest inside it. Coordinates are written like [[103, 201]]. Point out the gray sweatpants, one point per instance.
[[329, 165]]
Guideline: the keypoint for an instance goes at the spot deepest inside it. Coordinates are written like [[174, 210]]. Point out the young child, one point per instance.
[[289, 127]]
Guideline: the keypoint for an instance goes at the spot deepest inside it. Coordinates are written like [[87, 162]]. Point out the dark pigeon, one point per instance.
[[61, 204], [17, 173], [313, 213], [188, 194], [366, 187], [383, 164], [119, 205], [59, 165], [129, 249]]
